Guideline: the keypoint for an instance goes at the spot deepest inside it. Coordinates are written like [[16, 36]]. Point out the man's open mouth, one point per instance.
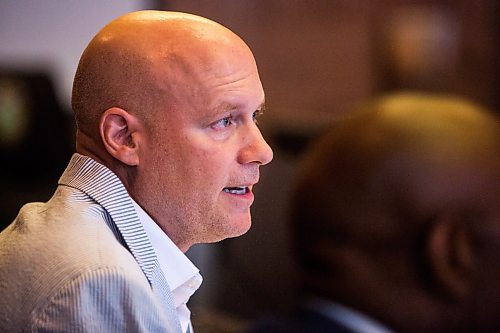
[[236, 190]]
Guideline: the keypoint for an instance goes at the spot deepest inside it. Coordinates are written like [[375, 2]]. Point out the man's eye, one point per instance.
[[222, 123]]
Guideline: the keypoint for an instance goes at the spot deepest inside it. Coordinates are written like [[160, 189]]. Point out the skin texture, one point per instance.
[[168, 101], [396, 213]]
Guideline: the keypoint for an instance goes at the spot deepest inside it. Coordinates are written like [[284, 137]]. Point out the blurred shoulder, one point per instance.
[[300, 321]]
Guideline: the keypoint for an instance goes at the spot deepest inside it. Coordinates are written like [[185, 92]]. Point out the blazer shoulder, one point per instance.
[[49, 244], [300, 321]]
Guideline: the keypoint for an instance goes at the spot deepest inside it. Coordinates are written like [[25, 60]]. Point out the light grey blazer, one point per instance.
[[82, 262]]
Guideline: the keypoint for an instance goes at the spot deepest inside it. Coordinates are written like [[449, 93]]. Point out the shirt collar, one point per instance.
[[176, 266]]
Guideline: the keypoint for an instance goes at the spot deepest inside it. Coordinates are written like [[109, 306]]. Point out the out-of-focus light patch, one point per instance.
[[423, 41], [51, 35], [14, 113]]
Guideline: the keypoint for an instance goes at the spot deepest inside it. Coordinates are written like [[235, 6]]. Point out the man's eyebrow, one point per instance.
[[221, 110], [224, 107], [228, 107]]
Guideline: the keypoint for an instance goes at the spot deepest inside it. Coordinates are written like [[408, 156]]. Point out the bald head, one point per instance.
[[140, 60], [167, 101]]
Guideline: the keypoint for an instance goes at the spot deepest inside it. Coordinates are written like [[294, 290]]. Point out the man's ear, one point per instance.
[[450, 254], [120, 133]]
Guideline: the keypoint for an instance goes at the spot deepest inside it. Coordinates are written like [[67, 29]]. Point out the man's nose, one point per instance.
[[256, 149]]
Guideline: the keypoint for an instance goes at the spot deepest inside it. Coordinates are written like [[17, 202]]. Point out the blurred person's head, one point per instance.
[[397, 214]]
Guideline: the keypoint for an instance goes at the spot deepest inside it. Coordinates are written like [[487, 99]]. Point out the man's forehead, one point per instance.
[[198, 68]]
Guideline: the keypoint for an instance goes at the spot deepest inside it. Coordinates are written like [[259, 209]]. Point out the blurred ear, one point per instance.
[[120, 133], [450, 255]]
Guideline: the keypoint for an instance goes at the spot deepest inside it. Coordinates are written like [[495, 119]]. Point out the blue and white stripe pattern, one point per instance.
[[103, 186], [106, 189]]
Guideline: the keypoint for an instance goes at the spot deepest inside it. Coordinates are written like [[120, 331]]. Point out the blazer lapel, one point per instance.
[[103, 186]]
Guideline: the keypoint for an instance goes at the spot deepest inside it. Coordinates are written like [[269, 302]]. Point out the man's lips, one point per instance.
[[240, 193]]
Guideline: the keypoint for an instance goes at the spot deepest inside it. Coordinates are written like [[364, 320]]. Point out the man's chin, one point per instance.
[[234, 229]]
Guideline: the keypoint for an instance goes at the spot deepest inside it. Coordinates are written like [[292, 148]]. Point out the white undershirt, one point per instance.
[[348, 317], [182, 275]]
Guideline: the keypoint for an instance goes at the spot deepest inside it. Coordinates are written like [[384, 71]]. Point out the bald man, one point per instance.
[[168, 152], [396, 219]]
